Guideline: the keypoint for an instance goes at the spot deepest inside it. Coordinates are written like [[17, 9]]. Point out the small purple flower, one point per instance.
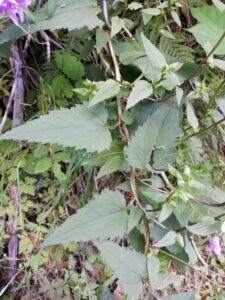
[[14, 8], [114, 2], [214, 246]]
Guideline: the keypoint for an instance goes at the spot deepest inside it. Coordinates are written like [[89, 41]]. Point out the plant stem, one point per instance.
[[118, 78], [125, 8], [183, 140]]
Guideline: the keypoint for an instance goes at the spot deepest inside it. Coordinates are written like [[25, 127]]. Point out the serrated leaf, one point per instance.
[[168, 240], [80, 127], [101, 218], [141, 90], [128, 266], [69, 65], [68, 14], [154, 55], [210, 28], [108, 89], [160, 130]]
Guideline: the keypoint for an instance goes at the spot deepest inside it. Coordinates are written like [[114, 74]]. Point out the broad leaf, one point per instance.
[[69, 65], [154, 55], [109, 160], [128, 266], [159, 131], [68, 14], [141, 90], [108, 89], [204, 227], [80, 127], [167, 240], [101, 218], [116, 24], [210, 28]]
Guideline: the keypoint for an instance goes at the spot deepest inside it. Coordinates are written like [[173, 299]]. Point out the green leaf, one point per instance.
[[160, 130], [204, 227], [69, 65], [148, 13], [158, 280], [80, 127], [51, 7], [109, 160], [210, 28], [190, 250], [191, 117], [219, 63], [168, 240], [61, 86], [151, 196], [154, 55], [108, 89], [101, 218], [219, 5], [111, 165], [141, 90], [58, 172], [43, 165], [102, 38], [116, 25], [128, 266], [134, 218], [166, 211], [68, 14], [181, 296]]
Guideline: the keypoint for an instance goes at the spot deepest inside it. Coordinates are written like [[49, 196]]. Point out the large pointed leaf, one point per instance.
[[128, 266], [210, 28], [80, 127], [103, 217], [154, 55], [159, 131], [69, 14]]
